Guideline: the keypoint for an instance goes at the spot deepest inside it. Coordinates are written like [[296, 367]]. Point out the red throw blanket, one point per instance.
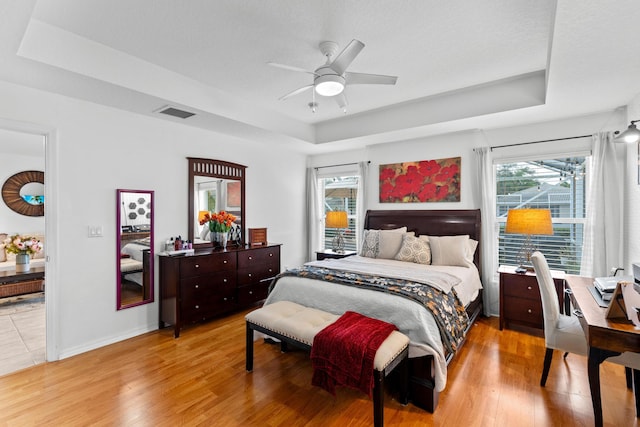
[[342, 353]]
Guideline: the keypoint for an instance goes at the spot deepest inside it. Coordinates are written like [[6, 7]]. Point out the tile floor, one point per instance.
[[22, 332]]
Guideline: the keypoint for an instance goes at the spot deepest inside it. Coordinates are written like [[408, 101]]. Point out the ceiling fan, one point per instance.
[[330, 79]]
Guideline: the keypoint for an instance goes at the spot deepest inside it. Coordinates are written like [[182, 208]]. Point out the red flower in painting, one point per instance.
[[428, 168], [447, 173], [442, 192], [386, 191], [387, 173], [409, 183], [427, 193]]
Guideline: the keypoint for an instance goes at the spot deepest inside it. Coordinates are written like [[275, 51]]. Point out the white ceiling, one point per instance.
[[460, 64]]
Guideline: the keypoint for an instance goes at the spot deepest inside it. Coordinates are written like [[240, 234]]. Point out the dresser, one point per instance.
[[211, 283], [520, 301]]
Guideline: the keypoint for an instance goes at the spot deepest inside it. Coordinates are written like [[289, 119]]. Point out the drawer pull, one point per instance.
[[271, 270], [270, 254], [224, 262], [577, 313], [249, 274], [197, 286], [224, 299], [568, 291], [250, 292], [529, 287], [224, 280], [529, 311], [250, 258], [197, 306], [197, 265]]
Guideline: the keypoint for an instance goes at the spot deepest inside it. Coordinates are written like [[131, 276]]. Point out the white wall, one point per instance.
[[462, 144], [12, 222], [99, 149]]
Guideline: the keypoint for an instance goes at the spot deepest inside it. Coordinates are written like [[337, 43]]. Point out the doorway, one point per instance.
[[23, 308]]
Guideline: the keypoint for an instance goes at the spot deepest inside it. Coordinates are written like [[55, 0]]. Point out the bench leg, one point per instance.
[[378, 398], [404, 381], [249, 349]]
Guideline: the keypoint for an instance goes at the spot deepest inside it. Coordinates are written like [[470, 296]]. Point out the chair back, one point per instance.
[[550, 304]]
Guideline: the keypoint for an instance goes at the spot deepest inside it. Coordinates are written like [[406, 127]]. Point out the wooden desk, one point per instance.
[[605, 337]]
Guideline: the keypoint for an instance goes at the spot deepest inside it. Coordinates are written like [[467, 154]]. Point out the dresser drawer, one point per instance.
[[249, 258], [198, 265], [257, 274], [253, 293], [523, 311], [196, 311], [520, 286], [223, 282]]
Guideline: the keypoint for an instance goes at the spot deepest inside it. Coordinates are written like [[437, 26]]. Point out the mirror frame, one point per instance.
[[148, 294], [11, 193], [215, 169]]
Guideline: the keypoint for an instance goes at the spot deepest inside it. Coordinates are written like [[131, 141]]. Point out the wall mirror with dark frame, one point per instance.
[[214, 186], [24, 193], [134, 244]]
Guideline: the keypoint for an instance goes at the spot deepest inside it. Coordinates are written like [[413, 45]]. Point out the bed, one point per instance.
[[336, 286], [134, 260]]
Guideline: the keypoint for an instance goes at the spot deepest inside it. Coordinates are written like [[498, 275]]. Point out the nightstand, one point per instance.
[[329, 254], [520, 302]]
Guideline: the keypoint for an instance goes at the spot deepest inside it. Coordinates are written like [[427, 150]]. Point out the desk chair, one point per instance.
[[564, 333]]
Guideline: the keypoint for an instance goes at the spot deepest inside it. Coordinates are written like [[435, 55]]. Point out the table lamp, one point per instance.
[[337, 219], [528, 222]]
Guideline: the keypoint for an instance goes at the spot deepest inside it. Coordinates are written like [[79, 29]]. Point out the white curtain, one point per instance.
[[485, 190], [314, 214], [603, 243], [361, 200]]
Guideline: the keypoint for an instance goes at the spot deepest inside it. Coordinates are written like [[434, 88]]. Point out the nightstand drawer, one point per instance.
[[521, 286], [524, 311]]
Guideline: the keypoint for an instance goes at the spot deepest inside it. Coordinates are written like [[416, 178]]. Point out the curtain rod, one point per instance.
[[335, 166], [537, 142]]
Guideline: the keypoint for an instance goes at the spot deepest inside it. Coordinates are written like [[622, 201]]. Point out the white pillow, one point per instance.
[[390, 242], [450, 250], [204, 234], [414, 250], [381, 243]]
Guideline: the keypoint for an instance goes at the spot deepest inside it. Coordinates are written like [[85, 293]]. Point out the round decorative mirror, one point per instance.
[[24, 193]]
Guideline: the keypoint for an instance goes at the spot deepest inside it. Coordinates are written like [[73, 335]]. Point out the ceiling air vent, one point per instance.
[[175, 112]]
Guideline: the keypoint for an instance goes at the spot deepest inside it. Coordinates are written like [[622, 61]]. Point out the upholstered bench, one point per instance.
[[297, 325]]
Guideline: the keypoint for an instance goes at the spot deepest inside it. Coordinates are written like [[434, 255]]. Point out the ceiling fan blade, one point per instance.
[[341, 99], [346, 57], [295, 92], [369, 79], [290, 68]]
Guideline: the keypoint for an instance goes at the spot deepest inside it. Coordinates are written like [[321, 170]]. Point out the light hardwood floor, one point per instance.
[[199, 379]]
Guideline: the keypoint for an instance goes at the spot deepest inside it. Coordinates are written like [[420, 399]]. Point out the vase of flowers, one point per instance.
[[24, 247], [219, 225]]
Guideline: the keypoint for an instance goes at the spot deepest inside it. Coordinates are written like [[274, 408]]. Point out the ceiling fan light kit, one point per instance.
[[329, 85], [331, 78]]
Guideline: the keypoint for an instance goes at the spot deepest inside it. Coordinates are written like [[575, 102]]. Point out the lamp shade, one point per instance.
[[336, 219], [529, 221]]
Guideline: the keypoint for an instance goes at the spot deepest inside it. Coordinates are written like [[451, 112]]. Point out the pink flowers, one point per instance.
[[424, 181], [23, 244]]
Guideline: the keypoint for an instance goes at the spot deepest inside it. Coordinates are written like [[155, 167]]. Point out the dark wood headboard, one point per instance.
[[432, 222]]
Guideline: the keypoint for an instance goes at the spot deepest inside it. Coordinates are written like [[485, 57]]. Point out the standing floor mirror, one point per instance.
[[134, 246]]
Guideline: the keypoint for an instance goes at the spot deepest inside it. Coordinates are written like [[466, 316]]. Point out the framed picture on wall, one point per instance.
[[420, 181]]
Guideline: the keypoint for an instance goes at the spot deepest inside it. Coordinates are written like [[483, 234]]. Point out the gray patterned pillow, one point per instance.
[[370, 244], [415, 250]]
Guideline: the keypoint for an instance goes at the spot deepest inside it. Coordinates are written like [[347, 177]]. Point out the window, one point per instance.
[[340, 194], [555, 184]]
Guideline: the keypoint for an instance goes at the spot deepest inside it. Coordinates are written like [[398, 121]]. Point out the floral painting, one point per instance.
[[419, 182]]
